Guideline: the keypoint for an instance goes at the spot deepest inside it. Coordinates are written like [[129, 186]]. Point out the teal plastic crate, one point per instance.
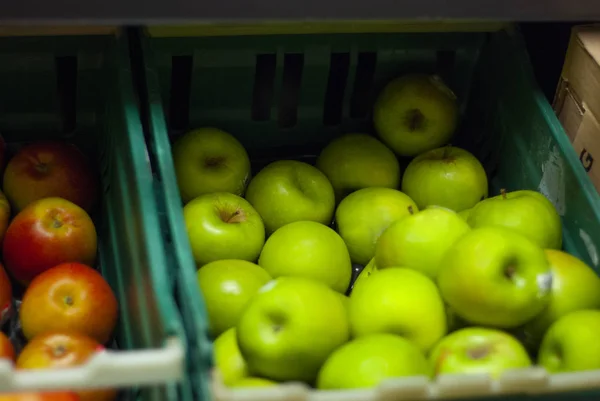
[[287, 96], [78, 88]]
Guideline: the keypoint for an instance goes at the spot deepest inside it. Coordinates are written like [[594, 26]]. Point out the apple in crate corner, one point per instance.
[[48, 232], [56, 350], [415, 113], [222, 225], [475, 350], [308, 249], [50, 169], [367, 361], [7, 350], [86, 303], [420, 240], [40, 396], [355, 161], [286, 332], [448, 176], [4, 215], [528, 212], [208, 160], [227, 286], [571, 343], [286, 191], [363, 215], [575, 286], [398, 301], [228, 358], [495, 277]]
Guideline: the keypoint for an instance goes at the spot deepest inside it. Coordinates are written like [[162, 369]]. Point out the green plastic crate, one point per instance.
[[286, 96], [78, 88]]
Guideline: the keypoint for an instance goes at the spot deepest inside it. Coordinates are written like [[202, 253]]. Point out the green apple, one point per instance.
[[227, 286], [209, 160], [308, 249], [575, 286], [415, 113], [448, 176], [495, 277], [420, 240], [222, 225], [355, 161], [363, 215], [527, 212], [228, 358], [254, 382], [464, 214], [367, 361], [366, 273], [290, 328], [399, 301], [286, 191], [571, 343], [476, 350]]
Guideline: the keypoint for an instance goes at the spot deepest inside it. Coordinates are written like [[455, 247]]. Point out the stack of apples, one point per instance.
[[67, 310], [451, 280]]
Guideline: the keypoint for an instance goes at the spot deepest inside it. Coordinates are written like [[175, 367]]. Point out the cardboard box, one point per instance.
[[577, 100]]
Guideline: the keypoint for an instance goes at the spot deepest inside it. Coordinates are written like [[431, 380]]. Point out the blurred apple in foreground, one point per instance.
[[208, 160], [227, 286], [420, 240], [254, 382], [286, 191], [308, 249], [415, 113], [48, 232], [56, 350], [449, 176], [49, 169], [367, 361], [69, 297], [398, 301], [41, 396], [475, 350], [529, 213], [363, 215], [222, 225], [290, 327], [571, 343], [228, 358], [495, 277], [574, 286], [355, 161]]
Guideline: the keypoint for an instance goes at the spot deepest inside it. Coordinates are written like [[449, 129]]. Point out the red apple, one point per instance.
[[56, 350], [45, 396], [5, 298], [50, 169], [69, 297], [7, 351], [46, 233], [4, 215]]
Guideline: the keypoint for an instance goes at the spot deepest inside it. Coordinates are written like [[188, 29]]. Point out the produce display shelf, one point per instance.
[[151, 11], [505, 121], [78, 89]]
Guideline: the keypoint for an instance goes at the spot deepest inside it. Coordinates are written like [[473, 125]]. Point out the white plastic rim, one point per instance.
[[534, 380], [106, 369]]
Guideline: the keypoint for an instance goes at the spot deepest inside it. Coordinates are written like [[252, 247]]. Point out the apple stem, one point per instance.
[[59, 351], [410, 210], [503, 193]]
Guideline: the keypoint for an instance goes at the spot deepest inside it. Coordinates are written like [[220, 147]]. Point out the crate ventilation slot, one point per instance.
[[336, 85], [445, 63], [293, 63], [360, 102], [66, 85], [181, 80], [264, 81]]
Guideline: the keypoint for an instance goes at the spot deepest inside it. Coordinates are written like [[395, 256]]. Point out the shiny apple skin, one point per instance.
[[69, 297], [46, 233]]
